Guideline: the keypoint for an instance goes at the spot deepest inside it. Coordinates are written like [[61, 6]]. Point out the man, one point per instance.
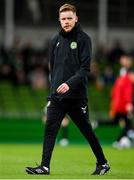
[[69, 64], [121, 94], [122, 100]]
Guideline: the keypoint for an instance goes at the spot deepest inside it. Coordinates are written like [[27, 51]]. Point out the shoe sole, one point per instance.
[[31, 172]]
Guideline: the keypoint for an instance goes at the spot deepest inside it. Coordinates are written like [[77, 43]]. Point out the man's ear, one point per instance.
[[76, 20]]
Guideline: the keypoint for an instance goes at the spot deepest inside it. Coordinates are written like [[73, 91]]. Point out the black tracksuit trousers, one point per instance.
[[78, 112]]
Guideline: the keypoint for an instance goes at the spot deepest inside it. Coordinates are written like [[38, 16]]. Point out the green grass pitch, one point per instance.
[[72, 162]]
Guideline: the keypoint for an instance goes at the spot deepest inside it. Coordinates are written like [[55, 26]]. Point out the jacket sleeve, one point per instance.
[[84, 58]]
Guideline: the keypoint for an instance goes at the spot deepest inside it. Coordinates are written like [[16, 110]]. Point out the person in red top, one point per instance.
[[122, 105], [122, 100], [122, 95]]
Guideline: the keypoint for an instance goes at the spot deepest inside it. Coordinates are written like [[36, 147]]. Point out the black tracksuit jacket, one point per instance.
[[70, 57]]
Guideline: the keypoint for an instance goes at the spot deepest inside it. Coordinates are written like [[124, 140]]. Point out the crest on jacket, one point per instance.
[[73, 45]]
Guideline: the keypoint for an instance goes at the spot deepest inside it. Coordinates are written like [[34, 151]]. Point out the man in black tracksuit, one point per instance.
[[69, 65]]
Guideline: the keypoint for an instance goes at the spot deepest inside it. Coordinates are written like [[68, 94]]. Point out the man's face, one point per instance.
[[67, 20]]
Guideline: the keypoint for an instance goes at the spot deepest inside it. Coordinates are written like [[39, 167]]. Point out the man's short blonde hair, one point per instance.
[[67, 7]]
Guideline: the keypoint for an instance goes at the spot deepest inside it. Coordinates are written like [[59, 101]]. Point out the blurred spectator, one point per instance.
[[94, 72], [122, 105], [18, 63], [38, 79], [27, 53], [20, 76], [115, 53], [101, 54], [106, 78], [6, 68], [126, 62], [6, 72]]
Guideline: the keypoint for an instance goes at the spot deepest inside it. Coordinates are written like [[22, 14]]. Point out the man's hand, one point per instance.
[[63, 88]]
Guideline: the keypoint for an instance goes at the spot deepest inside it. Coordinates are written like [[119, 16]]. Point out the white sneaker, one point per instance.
[[124, 143], [64, 142]]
